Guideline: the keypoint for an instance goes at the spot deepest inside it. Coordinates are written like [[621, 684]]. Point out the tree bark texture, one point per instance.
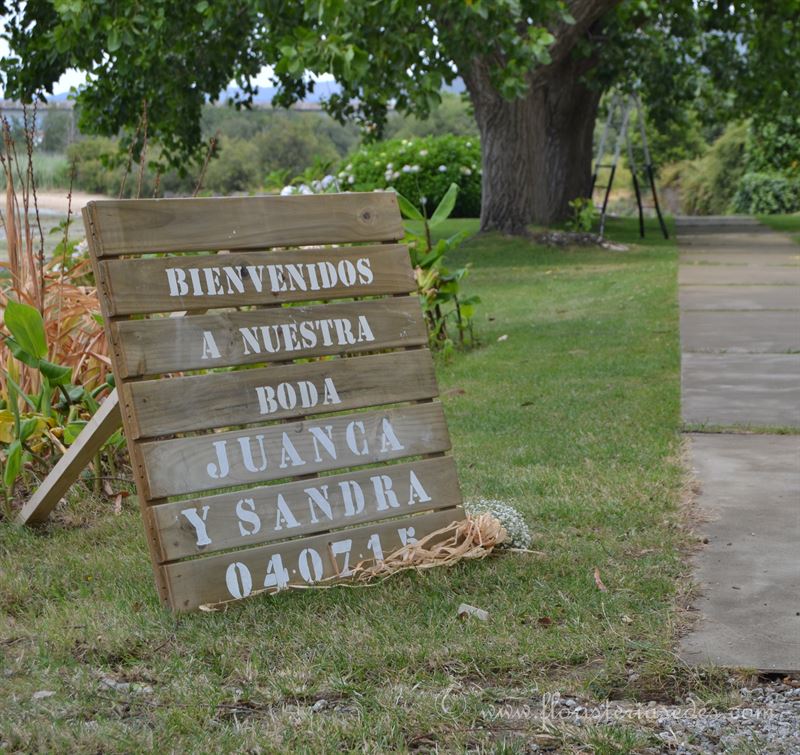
[[537, 150]]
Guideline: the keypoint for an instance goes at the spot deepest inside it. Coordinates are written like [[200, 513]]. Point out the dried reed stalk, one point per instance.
[[75, 338], [470, 538]]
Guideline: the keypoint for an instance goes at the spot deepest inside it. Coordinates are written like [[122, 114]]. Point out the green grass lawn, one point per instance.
[[573, 417], [784, 223]]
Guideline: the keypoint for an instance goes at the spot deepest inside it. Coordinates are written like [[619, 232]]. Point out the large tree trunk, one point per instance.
[[536, 150]]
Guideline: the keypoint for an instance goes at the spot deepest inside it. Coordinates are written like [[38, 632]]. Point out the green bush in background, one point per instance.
[[767, 194], [707, 185], [774, 146], [453, 115], [421, 170]]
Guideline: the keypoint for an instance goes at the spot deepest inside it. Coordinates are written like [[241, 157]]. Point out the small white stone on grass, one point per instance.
[[465, 609]]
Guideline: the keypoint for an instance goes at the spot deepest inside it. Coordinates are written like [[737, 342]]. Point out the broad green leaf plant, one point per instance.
[[49, 417], [448, 313]]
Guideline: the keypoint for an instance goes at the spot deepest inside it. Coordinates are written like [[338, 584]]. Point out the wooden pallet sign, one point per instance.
[[288, 428]]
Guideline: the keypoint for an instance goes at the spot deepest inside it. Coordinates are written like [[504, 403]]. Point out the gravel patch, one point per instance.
[[765, 722]]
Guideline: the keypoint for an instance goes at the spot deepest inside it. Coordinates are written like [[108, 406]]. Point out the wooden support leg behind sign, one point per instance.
[[106, 421]]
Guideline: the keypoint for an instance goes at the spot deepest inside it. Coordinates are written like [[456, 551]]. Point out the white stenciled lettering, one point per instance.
[[319, 497], [235, 279], [247, 453], [347, 272], [288, 396], [284, 516], [238, 279], [213, 281], [352, 497], [416, 492], [198, 521], [352, 442], [238, 580], [384, 495], [292, 336], [364, 267], [406, 535], [222, 467], [210, 349], [176, 280], [289, 453], [324, 436], [389, 441], [246, 511], [331, 396], [364, 331]]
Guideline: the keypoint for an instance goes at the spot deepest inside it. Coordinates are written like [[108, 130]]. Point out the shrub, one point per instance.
[[446, 308], [421, 170], [707, 185], [774, 145], [767, 194], [91, 160], [453, 115], [236, 168]]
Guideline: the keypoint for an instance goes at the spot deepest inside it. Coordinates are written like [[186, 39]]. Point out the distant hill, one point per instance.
[[322, 90]]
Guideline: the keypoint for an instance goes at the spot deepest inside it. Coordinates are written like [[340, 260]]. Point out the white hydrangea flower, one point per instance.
[[351, 180], [519, 535], [423, 152], [406, 169], [287, 190], [465, 171], [327, 181], [415, 168], [389, 166], [442, 169], [469, 144], [423, 200], [396, 174], [304, 189]]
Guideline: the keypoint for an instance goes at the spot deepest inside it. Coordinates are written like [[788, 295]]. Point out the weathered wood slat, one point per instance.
[[202, 282], [220, 460], [163, 344], [274, 512], [235, 223], [236, 575], [203, 402], [105, 422]]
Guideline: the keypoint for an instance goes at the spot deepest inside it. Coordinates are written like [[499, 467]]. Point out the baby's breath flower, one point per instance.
[[519, 535]]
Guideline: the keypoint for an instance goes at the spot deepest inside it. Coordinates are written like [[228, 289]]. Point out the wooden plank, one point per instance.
[[105, 422], [202, 282], [275, 512], [236, 223], [236, 575], [220, 399], [241, 457], [137, 465], [163, 344]]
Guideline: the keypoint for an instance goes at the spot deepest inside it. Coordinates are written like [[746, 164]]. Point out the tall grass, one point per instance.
[[50, 171]]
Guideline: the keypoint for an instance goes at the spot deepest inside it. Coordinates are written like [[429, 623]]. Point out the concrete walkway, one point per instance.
[[740, 342]]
